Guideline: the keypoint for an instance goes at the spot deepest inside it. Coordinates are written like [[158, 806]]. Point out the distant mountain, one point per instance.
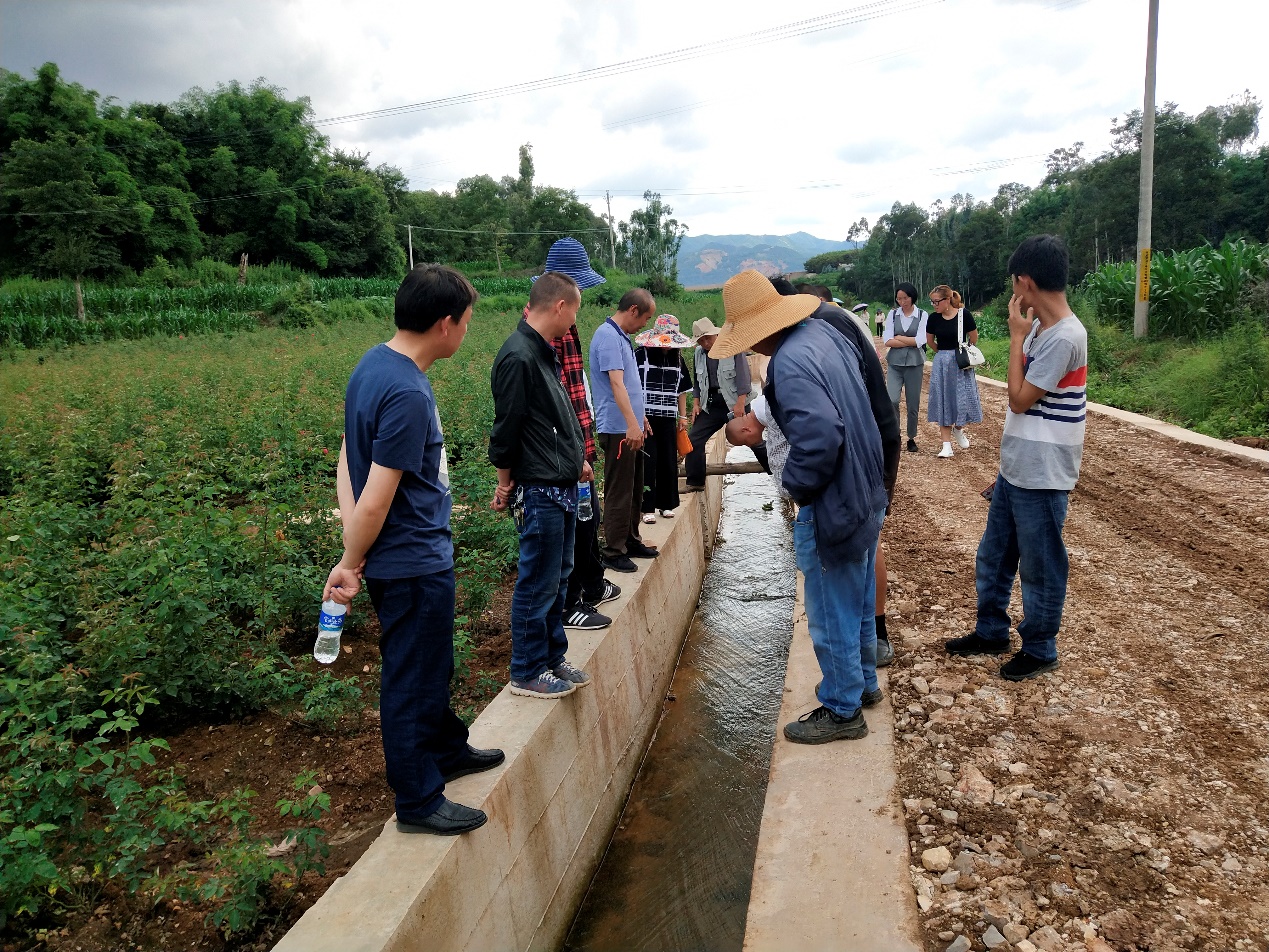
[[709, 260]]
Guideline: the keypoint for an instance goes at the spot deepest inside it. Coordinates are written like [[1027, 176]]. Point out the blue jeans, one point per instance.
[[547, 533], [1023, 537], [840, 604], [422, 736]]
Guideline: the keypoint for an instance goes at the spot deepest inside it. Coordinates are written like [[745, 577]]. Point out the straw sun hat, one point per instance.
[[755, 310], [664, 333]]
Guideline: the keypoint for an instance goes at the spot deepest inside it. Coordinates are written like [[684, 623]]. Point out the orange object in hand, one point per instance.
[[685, 443]]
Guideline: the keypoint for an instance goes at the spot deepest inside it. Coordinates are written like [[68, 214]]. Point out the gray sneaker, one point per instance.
[[567, 673], [821, 726], [545, 685], [885, 653]]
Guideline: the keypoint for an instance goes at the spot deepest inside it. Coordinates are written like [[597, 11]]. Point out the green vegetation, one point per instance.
[[166, 523], [1210, 186]]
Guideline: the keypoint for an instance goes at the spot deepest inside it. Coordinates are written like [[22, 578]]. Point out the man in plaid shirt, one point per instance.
[[587, 586]]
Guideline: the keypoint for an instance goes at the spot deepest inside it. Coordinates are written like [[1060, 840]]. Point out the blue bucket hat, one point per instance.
[[567, 256]]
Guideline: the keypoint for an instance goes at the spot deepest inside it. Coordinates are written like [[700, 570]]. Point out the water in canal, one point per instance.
[[677, 872]]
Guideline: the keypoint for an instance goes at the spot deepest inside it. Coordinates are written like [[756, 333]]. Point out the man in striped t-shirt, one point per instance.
[[1040, 456]]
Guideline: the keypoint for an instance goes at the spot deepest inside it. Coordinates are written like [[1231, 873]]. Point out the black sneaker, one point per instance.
[[822, 726], [1022, 666], [619, 563], [610, 591], [585, 618], [885, 653], [867, 699], [973, 644], [912, 447], [638, 550]]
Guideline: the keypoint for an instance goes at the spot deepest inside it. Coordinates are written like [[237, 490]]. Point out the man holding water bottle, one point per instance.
[[394, 501]]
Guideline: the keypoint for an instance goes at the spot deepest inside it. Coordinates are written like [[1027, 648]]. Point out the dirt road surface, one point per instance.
[[1122, 802]]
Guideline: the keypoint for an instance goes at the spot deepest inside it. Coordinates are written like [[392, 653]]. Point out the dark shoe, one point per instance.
[[885, 653], [638, 550], [912, 447], [475, 761], [1022, 666], [449, 819], [619, 563], [973, 644], [585, 618], [822, 726], [610, 591], [565, 671], [693, 488], [871, 698]]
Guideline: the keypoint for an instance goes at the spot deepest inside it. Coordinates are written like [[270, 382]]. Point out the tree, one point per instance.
[[650, 241]]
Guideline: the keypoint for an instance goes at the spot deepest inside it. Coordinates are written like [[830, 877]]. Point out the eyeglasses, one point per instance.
[[935, 300]]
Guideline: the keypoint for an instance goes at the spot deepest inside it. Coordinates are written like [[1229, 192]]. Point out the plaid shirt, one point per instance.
[[568, 350]]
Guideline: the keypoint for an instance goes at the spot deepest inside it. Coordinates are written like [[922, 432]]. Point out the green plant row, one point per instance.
[[58, 300], [1194, 295]]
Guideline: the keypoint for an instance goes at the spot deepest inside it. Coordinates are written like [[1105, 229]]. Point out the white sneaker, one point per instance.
[[962, 438], [649, 519], [946, 451], [667, 513]]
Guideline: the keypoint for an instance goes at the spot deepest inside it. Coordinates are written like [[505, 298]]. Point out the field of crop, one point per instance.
[[165, 528]]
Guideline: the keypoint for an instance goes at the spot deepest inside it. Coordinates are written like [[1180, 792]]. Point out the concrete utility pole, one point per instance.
[[1141, 310], [409, 238], [612, 235]]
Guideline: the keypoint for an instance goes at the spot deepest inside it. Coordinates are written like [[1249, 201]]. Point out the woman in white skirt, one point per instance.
[[953, 392]]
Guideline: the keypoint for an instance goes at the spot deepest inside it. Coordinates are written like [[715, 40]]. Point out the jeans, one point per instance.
[[586, 581], [547, 535], [910, 379], [1023, 537], [840, 603], [422, 736]]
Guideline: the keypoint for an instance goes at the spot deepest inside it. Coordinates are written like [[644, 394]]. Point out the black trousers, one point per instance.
[[661, 467], [712, 419], [586, 583]]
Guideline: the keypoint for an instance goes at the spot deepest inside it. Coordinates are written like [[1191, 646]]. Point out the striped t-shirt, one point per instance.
[[1042, 448]]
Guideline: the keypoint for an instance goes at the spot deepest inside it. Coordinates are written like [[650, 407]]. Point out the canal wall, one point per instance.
[[517, 882]]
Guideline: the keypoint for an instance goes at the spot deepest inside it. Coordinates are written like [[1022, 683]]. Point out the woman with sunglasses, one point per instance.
[[953, 392]]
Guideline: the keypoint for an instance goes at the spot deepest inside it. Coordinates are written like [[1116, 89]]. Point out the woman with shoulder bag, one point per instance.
[[954, 399], [904, 334]]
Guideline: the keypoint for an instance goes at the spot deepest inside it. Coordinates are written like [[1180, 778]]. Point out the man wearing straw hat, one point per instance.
[[722, 388], [835, 473]]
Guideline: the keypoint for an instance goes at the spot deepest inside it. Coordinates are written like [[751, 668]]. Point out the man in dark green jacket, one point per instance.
[[539, 451]]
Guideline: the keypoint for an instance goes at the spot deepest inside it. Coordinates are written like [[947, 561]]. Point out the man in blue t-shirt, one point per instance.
[[394, 501], [621, 425]]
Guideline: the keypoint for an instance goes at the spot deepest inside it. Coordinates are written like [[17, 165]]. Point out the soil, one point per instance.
[[1117, 803], [264, 752]]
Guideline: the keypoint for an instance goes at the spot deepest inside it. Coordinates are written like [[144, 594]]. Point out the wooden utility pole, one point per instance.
[[409, 240], [612, 234], [1141, 310]]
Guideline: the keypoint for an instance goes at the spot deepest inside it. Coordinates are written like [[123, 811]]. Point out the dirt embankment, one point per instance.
[[1118, 803]]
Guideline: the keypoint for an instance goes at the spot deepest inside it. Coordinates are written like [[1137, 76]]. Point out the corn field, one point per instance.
[[47, 316], [1194, 295]]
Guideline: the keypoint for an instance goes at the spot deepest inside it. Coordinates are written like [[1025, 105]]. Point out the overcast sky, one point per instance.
[[890, 100]]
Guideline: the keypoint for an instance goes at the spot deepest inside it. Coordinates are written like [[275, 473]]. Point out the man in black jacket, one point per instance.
[[538, 449]]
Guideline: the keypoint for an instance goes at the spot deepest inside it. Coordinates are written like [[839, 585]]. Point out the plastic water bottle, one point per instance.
[[330, 624], [585, 508]]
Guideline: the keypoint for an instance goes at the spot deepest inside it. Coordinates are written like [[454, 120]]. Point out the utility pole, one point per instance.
[[1141, 309], [612, 235], [409, 237]]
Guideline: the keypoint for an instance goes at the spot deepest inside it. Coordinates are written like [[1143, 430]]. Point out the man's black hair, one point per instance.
[[784, 285], [636, 297], [429, 293], [908, 289], [1044, 259]]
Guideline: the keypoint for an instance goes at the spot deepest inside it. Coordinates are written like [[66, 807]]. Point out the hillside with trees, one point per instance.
[[1210, 185]]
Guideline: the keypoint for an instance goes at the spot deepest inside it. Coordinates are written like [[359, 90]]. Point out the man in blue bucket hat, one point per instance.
[[587, 587]]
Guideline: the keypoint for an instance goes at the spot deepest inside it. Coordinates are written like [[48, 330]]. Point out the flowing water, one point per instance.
[[677, 872]]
